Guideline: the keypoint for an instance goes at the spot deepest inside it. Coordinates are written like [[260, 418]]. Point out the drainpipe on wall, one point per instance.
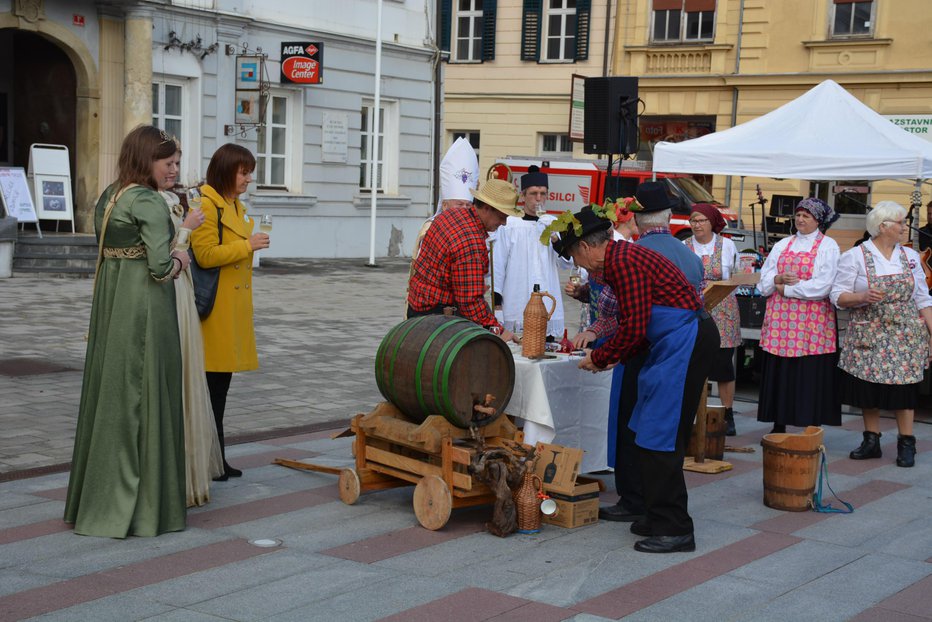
[[438, 112], [734, 95], [608, 31]]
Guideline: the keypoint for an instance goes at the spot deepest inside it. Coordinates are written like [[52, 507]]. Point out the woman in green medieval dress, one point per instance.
[[128, 467]]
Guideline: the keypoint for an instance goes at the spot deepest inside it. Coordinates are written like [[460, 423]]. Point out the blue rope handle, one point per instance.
[[817, 504]]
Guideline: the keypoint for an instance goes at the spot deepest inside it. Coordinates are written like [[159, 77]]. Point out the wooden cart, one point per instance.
[[434, 456]]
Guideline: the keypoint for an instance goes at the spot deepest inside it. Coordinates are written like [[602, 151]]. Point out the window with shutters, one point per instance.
[[467, 29], [682, 21], [853, 18], [559, 35], [555, 31]]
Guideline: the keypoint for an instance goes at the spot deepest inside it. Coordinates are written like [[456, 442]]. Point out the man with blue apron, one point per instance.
[[660, 313]]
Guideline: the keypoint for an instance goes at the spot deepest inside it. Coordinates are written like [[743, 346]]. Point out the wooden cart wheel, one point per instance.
[[349, 486], [432, 502]]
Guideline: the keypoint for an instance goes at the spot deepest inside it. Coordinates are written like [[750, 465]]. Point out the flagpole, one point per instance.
[[376, 124]]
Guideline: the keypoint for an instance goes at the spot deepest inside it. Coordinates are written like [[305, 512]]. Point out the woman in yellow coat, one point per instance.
[[229, 338]]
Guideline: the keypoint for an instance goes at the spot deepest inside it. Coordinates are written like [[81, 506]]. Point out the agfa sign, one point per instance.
[[302, 63]]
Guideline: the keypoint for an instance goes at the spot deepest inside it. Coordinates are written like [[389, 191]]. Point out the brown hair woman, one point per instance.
[[229, 337], [127, 473]]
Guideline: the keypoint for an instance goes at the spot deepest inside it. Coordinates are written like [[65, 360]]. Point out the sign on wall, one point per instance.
[[577, 129], [249, 81], [335, 134], [917, 124], [303, 63]]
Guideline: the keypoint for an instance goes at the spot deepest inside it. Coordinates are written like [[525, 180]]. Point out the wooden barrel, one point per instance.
[[714, 435], [791, 465], [442, 365]]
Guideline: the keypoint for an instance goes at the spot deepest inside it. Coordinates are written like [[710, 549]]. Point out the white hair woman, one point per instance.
[[886, 348]]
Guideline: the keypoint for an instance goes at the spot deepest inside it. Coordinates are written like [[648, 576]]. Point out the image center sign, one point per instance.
[[303, 63]]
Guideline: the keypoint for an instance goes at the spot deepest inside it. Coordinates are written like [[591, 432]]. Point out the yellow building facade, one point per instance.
[[707, 65]]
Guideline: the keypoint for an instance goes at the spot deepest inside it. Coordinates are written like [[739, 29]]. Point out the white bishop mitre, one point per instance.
[[459, 171]]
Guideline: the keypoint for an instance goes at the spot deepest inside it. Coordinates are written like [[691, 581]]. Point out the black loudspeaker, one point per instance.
[[611, 116], [783, 204]]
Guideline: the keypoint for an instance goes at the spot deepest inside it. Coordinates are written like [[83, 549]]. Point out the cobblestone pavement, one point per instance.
[[317, 326]]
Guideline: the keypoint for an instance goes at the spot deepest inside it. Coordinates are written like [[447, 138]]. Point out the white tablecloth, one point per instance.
[[563, 404]]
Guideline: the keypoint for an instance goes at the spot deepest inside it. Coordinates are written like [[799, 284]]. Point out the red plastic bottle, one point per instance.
[[566, 345]]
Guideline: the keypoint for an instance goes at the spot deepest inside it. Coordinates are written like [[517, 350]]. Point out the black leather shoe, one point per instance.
[[221, 478], [641, 528], [667, 544], [870, 447], [230, 471], [905, 450], [730, 422], [618, 514], [778, 428]]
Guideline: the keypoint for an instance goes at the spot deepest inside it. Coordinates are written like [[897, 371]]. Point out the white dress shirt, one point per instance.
[[851, 276], [823, 272]]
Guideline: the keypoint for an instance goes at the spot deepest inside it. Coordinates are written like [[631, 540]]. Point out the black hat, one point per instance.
[[590, 222], [654, 196], [534, 178]]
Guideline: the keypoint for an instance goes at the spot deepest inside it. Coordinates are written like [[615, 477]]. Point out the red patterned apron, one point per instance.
[[794, 327]]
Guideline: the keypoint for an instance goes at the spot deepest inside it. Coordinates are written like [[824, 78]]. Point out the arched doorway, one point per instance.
[[40, 93], [51, 84]]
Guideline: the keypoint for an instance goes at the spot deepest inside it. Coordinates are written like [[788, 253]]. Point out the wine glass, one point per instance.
[[265, 223], [576, 276], [193, 195]]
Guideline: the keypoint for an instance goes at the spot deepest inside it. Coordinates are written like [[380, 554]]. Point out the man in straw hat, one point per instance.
[[659, 311], [450, 268], [521, 261]]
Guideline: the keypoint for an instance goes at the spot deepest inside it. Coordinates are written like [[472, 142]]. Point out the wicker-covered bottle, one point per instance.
[[536, 317], [527, 501]]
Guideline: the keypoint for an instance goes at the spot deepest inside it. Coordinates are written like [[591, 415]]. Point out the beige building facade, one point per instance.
[[510, 95], [707, 65], [731, 61]]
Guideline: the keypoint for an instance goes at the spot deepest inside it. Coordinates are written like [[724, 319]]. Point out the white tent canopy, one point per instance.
[[824, 134]]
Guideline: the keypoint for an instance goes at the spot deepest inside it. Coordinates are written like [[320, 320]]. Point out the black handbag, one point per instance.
[[205, 279]]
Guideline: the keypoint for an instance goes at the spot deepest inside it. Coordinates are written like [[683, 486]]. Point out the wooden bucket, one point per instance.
[[791, 466], [442, 365], [714, 435]]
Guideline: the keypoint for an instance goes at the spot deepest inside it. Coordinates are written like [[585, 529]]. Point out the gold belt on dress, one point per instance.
[[128, 252]]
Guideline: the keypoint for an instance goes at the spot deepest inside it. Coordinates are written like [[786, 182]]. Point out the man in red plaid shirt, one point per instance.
[[450, 267], [659, 311]]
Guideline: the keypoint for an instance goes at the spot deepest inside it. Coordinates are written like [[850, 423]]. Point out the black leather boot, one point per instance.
[[870, 447], [730, 422], [905, 450]]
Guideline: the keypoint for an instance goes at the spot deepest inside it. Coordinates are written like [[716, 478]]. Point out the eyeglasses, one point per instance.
[[698, 221]]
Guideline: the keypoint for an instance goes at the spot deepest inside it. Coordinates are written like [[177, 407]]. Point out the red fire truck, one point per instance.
[[577, 183]]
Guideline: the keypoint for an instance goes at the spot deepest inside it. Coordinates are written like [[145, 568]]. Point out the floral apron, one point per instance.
[[725, 313], [794, 327], [887, 342]]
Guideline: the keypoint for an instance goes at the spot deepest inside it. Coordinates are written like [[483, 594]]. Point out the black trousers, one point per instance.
[[218, 385], [627, 468], [651, 482]]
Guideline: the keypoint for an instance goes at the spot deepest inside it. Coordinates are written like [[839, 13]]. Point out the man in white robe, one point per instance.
[[520, 261]]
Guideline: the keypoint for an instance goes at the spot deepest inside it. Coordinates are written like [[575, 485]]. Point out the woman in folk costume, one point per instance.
[[886, 347], [799, 336], [127, 471], [520, 261], [459, 173], [203, 461], [719, 256]]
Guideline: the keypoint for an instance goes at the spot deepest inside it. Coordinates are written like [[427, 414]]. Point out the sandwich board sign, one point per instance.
[[50, 171], [14, 190]]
